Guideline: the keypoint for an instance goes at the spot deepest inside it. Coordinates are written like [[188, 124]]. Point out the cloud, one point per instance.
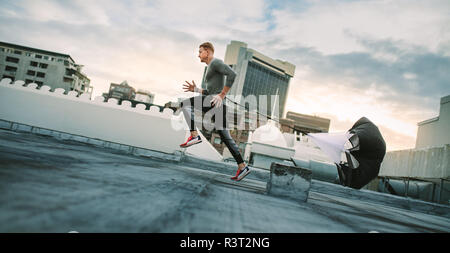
[[71, 12], [346, 86], [113, 54], [325, 25], [151, 44]]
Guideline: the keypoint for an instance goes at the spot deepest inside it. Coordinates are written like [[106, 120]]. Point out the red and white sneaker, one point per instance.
[[191, 141], [240, 174]]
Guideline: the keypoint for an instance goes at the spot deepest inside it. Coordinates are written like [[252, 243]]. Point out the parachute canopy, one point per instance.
[[367, 147]]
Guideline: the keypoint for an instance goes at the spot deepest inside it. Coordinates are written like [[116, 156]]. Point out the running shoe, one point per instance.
[[191, 141], [240, 174]]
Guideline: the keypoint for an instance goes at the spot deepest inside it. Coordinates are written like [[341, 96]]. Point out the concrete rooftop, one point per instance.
[[53, 185]]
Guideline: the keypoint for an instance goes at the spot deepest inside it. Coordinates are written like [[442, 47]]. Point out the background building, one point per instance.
[[124, 91], [305, 123], [258, 74], [43, 68], [144, 96], [435, 132], [120, 91]]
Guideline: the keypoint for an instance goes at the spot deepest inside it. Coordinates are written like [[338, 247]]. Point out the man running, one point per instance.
[[212, 98]]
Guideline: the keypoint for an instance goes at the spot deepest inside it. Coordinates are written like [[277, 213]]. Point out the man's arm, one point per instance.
[[224, 91], [192, 87], [217, 99]]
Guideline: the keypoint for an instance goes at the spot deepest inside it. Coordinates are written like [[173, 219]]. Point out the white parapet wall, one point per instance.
[[426, 163], [109, 121]]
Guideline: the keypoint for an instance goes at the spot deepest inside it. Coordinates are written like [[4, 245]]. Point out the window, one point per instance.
[[39, 83], [2, 49], [67, 80], [10, 77], [66, 63], [33, 63], [40, 74], [45, 57], [28, 54], [43, 65], [9, 68], [27, 81], [69, 72], [60, 60], [217, 140], [12, 59], [38, 56], [18, 52], [31, 73]]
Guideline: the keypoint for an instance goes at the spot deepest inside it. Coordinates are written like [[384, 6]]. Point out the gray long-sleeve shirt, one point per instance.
[[215, 76]]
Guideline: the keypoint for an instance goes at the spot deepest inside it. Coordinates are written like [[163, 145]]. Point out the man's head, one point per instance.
[[206, 51]]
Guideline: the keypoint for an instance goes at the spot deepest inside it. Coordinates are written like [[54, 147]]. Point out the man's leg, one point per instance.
[[220, 122], [243, 169], [188, 108], [231, 145]]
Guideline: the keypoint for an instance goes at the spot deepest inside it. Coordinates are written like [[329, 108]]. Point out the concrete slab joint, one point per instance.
[[289, 181]]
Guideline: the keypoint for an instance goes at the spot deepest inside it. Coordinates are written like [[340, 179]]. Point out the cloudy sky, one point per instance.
[[386, 60]]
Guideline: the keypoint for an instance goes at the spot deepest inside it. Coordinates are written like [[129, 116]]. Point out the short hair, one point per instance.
[[207, 45]]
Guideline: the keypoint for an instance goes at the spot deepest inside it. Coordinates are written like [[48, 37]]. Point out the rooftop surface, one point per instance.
[[53, 185]]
